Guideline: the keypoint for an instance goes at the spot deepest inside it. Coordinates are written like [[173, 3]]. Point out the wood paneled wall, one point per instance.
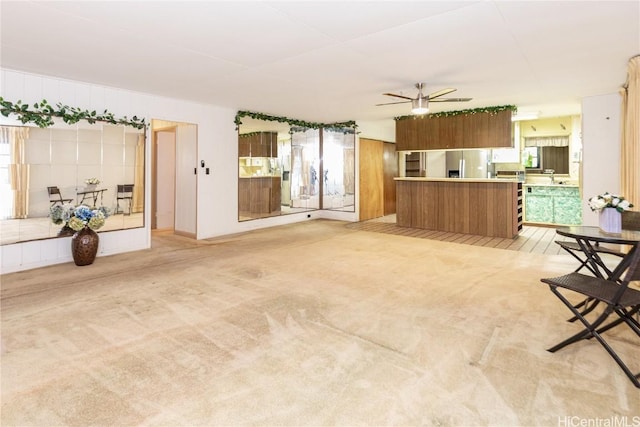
[[371, 182]]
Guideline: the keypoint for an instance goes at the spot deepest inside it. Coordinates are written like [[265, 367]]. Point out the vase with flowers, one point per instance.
[[610, 206], [82, 221], [91, 183]]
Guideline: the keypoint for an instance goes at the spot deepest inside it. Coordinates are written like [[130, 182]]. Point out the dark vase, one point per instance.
[[66, 231], [84, 246]]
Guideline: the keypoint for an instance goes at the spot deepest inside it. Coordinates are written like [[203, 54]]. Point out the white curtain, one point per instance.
[[138, 179], [630, 147], [546, 141], [18, 169]]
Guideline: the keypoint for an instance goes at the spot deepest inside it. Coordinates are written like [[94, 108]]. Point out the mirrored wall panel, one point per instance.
[[281, 169], [92, 164], [339, 153]]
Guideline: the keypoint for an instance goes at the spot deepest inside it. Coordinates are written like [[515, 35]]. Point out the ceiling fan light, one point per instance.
[[420, 105]]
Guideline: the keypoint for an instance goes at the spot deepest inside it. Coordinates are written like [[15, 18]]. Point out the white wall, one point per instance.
[[601, 133], [217, 193], [384, 130]]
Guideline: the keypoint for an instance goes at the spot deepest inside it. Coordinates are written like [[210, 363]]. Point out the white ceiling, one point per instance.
[[331, 60]]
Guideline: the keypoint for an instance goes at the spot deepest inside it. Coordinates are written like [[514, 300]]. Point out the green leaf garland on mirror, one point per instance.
[[490, 110], [345, 127], [42, 114]]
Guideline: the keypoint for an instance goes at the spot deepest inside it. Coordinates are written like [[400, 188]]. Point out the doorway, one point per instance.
[[174, 178]]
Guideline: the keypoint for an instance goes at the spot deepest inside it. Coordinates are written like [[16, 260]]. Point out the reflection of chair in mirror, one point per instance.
[[56, 197], [125, 192]]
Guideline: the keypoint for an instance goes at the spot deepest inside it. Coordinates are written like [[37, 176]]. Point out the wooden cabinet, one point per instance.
[[450, 133], [486, 208], [500, 130], [478, 130], [259, 196], [244, 146], [406, 134], [258, 144], [427, 130], [553, 204]]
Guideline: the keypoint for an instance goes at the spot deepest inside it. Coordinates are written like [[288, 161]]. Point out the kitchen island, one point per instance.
[[258, 196], [485, 207]]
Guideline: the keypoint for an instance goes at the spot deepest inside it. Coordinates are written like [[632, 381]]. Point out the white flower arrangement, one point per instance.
[[607, 200], [92, 181]]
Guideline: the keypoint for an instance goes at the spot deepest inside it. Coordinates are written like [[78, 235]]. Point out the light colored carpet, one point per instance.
[[304, 324]]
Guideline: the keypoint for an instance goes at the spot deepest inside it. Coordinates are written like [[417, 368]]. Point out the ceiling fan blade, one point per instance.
[[398, 96], [390, 103], [441, 92], [450, 99]]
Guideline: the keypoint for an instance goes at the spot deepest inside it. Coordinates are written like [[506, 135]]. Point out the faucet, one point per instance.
[[550, 172]]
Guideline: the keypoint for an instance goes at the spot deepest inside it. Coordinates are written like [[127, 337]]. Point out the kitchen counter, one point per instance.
[[259, 195], [484, 207], [550, 185], [481, 180]]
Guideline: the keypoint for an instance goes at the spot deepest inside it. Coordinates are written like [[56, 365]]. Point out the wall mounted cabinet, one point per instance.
[[259, 144], [478, 130]]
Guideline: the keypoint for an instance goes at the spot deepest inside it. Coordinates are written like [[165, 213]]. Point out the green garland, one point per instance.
[[339, 127], [490, 110], [43, 113], [247, 135]]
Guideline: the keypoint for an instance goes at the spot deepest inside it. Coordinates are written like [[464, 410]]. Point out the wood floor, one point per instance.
[[532, 239]]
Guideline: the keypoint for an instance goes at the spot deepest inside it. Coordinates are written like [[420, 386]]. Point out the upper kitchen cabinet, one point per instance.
[[455, 131], [476, 131], [258, 144], [406, 134], [450, 133]]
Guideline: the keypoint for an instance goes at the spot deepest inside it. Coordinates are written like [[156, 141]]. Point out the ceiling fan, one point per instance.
[[420, 104]]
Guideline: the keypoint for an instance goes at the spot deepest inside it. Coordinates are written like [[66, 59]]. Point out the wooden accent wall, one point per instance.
[[491, 208], [478, 130], [371, 179]]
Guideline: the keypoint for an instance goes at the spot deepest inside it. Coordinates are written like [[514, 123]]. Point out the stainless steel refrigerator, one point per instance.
[[468, 163]]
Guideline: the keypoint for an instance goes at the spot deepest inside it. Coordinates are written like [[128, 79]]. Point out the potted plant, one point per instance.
[[92, 183], [81, 221], [610, 206]]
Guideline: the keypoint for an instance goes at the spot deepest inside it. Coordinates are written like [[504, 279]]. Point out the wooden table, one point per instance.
[[92, 194]]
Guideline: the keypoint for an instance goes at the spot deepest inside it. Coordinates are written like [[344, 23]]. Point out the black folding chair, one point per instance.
[[616, 297], [55, 196], [125, 192], [630, 221]]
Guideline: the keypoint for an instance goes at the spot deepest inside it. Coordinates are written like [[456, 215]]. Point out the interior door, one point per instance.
[[186, 180], [165, 175], [371, 179]]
